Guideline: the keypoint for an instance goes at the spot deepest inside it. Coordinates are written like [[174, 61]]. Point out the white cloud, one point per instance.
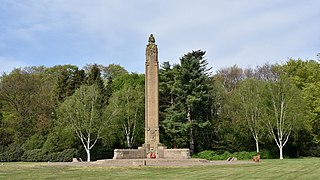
[[9, 63], [116, 31]]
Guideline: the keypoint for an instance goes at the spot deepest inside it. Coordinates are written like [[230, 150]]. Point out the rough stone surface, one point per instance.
[[152, 97]]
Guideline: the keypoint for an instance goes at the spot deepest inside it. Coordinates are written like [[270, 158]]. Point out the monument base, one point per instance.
[[143, 153]]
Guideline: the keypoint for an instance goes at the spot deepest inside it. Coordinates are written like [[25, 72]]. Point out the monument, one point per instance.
[[152, 97], [152, 148]]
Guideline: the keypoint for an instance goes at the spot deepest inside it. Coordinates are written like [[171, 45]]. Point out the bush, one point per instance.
[[35, 155], [67, 155], [314, 151], [265, 154], [212, 155], [40, 155], [243, 155], [34, 142], [12, 153]]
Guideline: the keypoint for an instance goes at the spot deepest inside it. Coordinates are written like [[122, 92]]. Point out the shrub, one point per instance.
[[12, 153], [265, 154], [34, 142], [212, 155], [35, 155], [67, 155], [40, 155], [243, 155]]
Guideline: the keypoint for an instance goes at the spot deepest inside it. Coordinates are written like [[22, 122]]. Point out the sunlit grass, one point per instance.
[[308, 168]]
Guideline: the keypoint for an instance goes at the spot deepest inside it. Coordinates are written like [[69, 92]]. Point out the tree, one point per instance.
[[18, 93], [230, 77], [250, 107], [113, 71], [285, 109], [171, 120], [133, 79], [127, 107], [65, 79], [84, 112], [306, 76], [94, 77], [192, 91]]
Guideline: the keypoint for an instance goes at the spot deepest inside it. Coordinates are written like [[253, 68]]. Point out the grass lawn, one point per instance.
[[307, 168]]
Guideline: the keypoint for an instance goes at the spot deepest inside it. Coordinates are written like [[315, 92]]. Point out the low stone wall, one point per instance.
[[129, 153], [141, 153], [176, 153]]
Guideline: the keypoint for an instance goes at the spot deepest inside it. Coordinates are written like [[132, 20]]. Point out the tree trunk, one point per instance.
[[88, 155], [175, 142], [280, 149], [191, 139], [128, 141], [257, 146]]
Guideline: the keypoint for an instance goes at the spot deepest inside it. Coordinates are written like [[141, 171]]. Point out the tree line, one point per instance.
[[60, 112]]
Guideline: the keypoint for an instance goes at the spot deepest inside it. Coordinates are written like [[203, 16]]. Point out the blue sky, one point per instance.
[[80, 32]]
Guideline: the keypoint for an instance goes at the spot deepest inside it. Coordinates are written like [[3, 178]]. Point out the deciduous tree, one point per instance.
[[127, 107], [84, 112], [285, 109], [251, 107]]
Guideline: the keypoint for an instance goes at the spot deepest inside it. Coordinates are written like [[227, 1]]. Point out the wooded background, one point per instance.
[[56, 113]]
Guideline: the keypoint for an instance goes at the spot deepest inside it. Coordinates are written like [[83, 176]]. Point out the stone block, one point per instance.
[[176, 153]]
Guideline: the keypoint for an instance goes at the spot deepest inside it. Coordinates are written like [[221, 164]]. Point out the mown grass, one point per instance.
[[308, 168]]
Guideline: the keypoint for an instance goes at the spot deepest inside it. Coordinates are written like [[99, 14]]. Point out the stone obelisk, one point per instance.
[[152, 148], [152, 97]]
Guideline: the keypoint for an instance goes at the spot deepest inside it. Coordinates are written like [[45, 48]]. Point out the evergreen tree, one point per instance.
[[193, 97], [94, 77], [170, 116], [68, 80]]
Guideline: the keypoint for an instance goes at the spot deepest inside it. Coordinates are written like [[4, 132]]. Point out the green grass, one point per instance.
[[308, 168]]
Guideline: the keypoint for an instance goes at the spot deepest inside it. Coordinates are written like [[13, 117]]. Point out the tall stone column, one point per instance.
[[152, 97], [152, 146]]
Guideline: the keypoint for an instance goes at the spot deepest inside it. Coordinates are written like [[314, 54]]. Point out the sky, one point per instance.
[[79, 32]]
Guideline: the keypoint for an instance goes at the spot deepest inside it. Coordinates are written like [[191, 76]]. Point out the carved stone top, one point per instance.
[[151, 39], [151, 46]]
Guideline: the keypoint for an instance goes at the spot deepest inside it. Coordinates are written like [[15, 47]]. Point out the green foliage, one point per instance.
[[11, 153], [18, 93], [40, 155], [35, 155], [62, 137], [34, 142], [6, 135], [66, 79], [243, 155], [132, 79], [95, 78], [195, 109], [112, 71], [175, 129], [126, 111], [249, 108], [188, 97], [64, 156], [83, 111], [306, 76]]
